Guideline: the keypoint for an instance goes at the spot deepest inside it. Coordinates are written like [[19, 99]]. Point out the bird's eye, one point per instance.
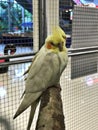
[[51, 43]]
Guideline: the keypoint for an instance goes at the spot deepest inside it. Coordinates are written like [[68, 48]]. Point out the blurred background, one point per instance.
[[24, 25]]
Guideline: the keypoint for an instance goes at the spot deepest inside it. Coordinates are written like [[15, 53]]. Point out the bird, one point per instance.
[[8, 49], [44, 71]]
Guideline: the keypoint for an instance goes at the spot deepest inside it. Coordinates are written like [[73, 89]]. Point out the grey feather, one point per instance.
[[32, 112], [26, 102], [45, 71]]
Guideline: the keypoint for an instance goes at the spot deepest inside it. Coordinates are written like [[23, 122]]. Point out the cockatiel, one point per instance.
[[45, 71]]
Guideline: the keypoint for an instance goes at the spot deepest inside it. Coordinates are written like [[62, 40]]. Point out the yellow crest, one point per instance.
[[58, 36]]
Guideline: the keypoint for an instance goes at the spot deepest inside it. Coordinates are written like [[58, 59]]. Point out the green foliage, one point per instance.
[[15, 15]]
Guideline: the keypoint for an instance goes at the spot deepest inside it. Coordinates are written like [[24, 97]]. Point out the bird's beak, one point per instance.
[[60, 46]]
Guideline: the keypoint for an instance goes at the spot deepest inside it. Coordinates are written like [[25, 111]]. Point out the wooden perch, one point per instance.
[[51, 111]]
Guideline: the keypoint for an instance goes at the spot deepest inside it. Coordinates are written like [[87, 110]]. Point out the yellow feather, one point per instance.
[[57, 36], [57, 29]]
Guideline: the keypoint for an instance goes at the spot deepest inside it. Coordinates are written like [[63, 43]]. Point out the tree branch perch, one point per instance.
[[51, 111]]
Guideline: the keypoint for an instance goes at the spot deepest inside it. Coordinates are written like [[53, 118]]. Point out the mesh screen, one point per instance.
[[79, 94], [11, 89], [16, 25], [85, 27], [65, 18], [84, 34], [80, 101]]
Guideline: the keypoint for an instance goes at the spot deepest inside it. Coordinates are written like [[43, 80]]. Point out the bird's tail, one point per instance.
[[32, 112], [28, 99]]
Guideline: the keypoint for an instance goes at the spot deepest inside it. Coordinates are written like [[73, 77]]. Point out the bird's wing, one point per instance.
[[39, 79], [28, 99], [42, 72], [31, 64]]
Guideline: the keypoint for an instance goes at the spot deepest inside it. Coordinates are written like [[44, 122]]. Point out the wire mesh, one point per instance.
[[79, 81], [79, 94], [16, 25], [11, 88], [65, 18], [80, 100]]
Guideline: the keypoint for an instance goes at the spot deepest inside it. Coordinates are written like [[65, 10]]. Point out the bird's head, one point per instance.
[[56, 41]]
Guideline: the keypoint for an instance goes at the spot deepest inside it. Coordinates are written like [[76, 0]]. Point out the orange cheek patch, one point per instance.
[[49, 46]]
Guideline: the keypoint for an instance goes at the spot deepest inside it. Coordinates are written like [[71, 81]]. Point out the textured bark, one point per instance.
[[51, 111]]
